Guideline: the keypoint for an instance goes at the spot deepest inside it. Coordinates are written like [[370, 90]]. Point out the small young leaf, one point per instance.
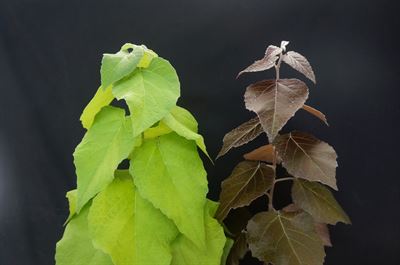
[[316, 113], [264, 153], [270, 57], [169, 173], [238, 250], [76, 245], [116, 66], [284, 238], [275, 102], [299, 63], [104, 146], [318, 201], [102, 98], [128, 227], [284, 43], [306, 157], [241, 135], [248, 181], [150, 93]]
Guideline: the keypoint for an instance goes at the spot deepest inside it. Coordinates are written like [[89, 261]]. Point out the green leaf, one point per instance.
[[72, 198], [169, 173], [76, 248], [184, 124], [156, 131], [150, 93], [101, 99], [318, 201], [128, 227], [116, 66], [103, 147], [227, 249], [248, 181], [284, 238], [185, 252]]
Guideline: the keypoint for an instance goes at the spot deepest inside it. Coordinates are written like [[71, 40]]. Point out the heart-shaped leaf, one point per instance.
[[267, 62], [299, 63], [275, 102]]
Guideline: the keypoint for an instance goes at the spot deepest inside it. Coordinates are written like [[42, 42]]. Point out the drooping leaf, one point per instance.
[[248, 181], [306, 157], [102, 98], [150, 93], [227, 249], [267, 62], [238, 250], [275, 102], [318, 201], [169, 173], [72, 201], [76, 245], [241, 135], [316, 113], [186, 252], [104, 146], [299, 63], [128, 227], [264, 153], [284, 238], [116, 66], [183, 123]]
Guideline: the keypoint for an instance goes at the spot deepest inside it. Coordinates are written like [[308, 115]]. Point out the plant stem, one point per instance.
[[278, 66], [271, 191], [283, 179]]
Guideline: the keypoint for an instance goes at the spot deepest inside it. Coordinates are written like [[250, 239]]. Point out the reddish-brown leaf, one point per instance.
[[316, 113], [299, 63], [248, 181], [306, 157], [238, 250], [241, 135], [275, 102], [264, 153], [270, 57]]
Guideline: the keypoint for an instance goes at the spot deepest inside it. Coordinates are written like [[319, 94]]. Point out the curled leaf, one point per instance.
[[264, 153], [299, 63], [267, 62], [316, 113]]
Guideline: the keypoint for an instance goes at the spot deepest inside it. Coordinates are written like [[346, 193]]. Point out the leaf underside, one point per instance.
[[267, 62]]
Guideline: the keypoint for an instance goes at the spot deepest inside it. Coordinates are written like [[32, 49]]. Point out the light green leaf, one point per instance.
[[71, 196], [184, 124], [156, 131], [116, 66], [76, 248], [227, 249], [168, 172], [185, 252], [317, 200], [101, 98], [103, 147], [128, 227], [150, 93]]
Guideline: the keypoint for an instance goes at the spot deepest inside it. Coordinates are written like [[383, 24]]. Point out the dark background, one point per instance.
[[50, 54]]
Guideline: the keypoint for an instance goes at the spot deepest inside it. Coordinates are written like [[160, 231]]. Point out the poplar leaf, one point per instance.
[[316, 113], [150, 93], [102, 98], [128, 227], [186, 252], [158, 130], [238, 250], [76, 246], [72, 198], [116, 66], [318, 201], [306, 157], [299, 63], [104, 146], [241, 135], [169, 173], [248, 181], [264, 153], [183, 123], [284, 238], [227, 249], [275, 102], [267, 62]]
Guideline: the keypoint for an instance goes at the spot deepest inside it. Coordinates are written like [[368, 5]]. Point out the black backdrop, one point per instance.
[[50, 53]]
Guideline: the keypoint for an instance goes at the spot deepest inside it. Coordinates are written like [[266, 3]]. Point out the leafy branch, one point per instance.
[[297, 233]]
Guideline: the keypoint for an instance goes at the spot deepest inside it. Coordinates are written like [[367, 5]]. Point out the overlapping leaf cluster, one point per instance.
[[296, 234], [155, 212]]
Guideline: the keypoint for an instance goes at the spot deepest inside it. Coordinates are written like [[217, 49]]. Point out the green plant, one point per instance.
[[297, 233], [155, 212]]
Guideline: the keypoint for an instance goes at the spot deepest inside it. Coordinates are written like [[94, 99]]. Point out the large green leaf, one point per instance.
[[103, 147], [185, 252], [150, 93], [101, 98], [168, 172], [76, 248], [184, 124], [318, 201], [283, 238], [128, 227]]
